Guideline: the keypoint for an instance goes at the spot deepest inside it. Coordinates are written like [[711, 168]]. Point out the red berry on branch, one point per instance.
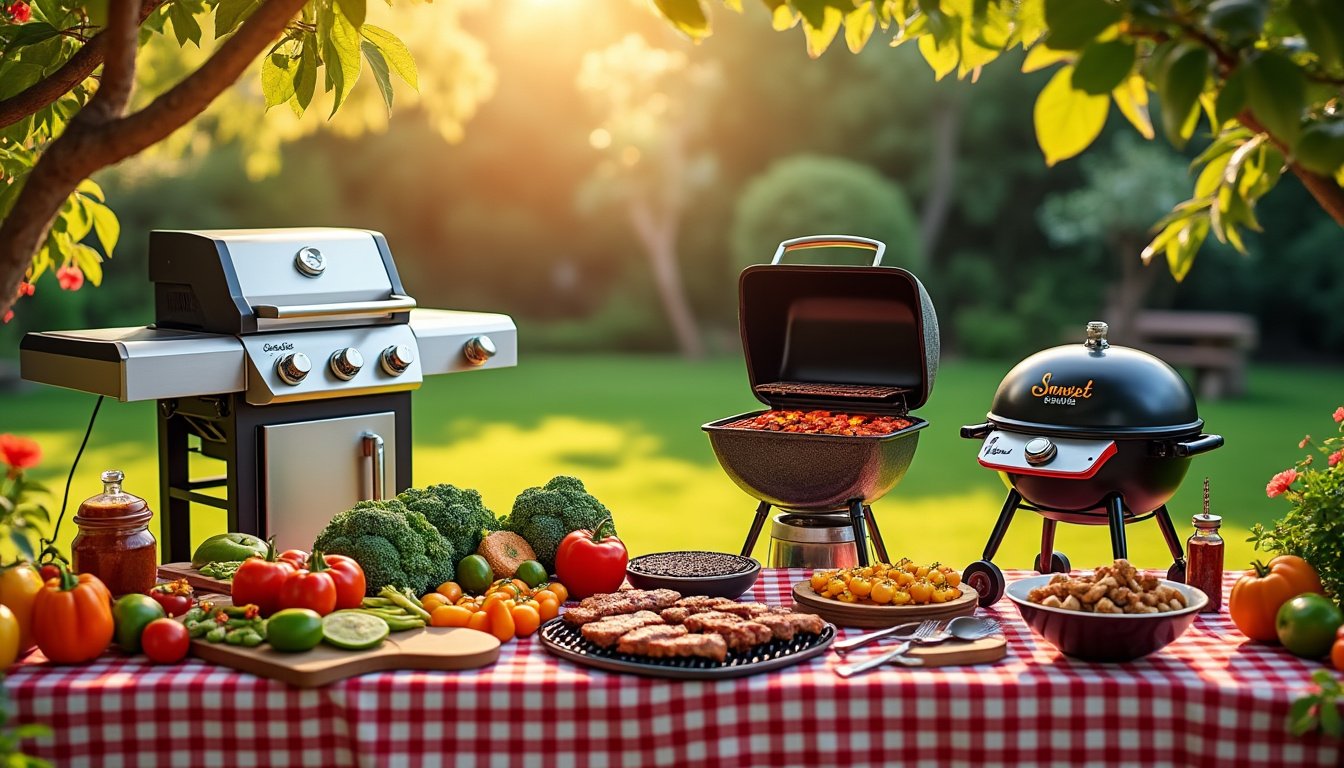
[[26, 288], [9, 315], [20, 12], [70, 278]]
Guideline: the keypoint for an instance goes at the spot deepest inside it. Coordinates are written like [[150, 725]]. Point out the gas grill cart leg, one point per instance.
[[762, 512], [1177, 570], [860, 538], [1115, 518]]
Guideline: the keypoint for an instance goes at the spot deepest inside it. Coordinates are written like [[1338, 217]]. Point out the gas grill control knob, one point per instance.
[[292, 368], [1039, 451], [397, 358], [345, 363], [478, 349]]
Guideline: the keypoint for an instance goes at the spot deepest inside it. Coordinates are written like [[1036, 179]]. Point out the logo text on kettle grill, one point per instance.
[[1054, 394], [992, 448], [283, 346]]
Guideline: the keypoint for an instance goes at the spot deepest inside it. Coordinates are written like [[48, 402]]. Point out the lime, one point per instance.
[[532, 573], [132, 613], [354, 631], [294, 629], [228, 547], [1306, 625], [474, 574]]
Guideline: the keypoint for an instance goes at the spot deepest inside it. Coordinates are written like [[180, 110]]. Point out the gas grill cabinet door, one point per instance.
[[312, 470]]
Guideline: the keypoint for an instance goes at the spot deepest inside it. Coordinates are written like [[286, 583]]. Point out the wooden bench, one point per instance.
[[1215, 344]]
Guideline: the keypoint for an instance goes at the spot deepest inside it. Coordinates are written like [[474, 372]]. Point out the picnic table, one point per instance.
[[1215, 344], [1209, 698]]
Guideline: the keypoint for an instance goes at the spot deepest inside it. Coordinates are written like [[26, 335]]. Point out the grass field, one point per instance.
[[629, 427]]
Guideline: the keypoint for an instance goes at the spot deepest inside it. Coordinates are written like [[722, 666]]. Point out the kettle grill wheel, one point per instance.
[[986, 578], [1059, 563]]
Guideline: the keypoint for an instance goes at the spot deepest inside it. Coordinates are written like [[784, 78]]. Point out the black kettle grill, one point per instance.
[[850, 339], [1090, 434]]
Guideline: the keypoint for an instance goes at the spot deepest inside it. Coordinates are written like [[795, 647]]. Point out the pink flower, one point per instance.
[[1305, 441], [70, 278], [1280, 482], [1336, 457], [20, 12], [1339, 414], [19, 452]]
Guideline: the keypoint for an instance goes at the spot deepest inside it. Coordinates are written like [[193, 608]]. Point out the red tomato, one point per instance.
[[1337, 650], [295, 557], [174, 596], [49, 571], [312, 589], [349, 579], [258, 581], [589, 563], [165, 641]]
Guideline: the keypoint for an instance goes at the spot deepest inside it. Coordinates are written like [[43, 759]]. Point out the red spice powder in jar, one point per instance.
[[114, 542], [1204, 566]]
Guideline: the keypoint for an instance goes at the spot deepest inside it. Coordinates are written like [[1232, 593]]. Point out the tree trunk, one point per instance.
[[659, 239], [1126, 297], [942, 182]]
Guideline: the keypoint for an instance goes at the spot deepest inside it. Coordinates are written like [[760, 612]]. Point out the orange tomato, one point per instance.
[[451, 590], [561, 594], [523, 589], [501, 620], [450, 616], [433, 600], [526, 619], [549, 610], [479, 621], [542, 593]]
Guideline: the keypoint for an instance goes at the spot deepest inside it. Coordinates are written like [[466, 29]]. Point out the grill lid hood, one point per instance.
[[868, 334], [1095, 390]]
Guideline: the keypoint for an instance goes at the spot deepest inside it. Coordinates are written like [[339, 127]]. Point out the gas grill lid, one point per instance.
[[840, 338], [250, 280]]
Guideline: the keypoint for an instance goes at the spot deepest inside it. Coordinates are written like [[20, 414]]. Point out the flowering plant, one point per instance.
[[1313, 529], [20, 512]]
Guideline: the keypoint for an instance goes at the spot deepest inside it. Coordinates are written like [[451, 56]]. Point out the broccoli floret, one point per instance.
[[547, 514], [393, 545], [457, 513]]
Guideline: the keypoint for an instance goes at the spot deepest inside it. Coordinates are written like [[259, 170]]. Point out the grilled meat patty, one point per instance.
[[706, 646], [617, 603], [740, 634], [606, 632], [637, 641], [786, 625]]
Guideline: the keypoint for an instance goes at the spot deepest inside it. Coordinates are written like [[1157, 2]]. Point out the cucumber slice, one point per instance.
[[354, 631]]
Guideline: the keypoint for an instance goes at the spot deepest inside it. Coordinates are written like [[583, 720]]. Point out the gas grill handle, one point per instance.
[[373, 447], [831, 241], [394, 303]]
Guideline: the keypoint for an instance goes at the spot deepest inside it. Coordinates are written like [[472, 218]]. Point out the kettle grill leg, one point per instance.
[[762, 512], [1169, 533], [1115, 516], [1043, 565], [1001, 525], [879, 546], [860, 539]]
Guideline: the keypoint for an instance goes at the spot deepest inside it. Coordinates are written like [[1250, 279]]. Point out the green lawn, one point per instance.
[[629, 426]]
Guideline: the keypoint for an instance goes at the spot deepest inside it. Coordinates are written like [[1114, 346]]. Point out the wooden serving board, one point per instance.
[[430, 648], [957, 653], [173, 571], [878, 616]]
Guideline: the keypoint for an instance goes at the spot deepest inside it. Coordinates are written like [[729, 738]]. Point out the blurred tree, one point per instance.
[[812, 195], [654, 105]]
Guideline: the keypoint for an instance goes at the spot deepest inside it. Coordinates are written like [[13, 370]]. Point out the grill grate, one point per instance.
[[567, 641], [838, 391]]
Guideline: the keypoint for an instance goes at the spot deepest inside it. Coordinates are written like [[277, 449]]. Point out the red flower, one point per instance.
[[1304, 442], [70, 278], [9, 315], [19, 452], [20, 12], [1280, 482], [26, 288], [1339, 414], [1336, 457]]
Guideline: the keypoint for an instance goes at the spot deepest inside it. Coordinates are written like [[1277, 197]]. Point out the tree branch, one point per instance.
[[1328, 194], [74, 71], [99, 138]]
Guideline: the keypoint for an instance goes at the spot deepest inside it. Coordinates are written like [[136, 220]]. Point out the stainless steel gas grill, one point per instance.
[[288, 355]]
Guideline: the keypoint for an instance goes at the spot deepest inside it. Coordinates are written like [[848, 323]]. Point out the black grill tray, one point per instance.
[[565, 640]]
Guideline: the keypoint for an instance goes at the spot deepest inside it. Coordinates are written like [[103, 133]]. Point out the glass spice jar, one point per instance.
[[1204, 568], [114, 542]]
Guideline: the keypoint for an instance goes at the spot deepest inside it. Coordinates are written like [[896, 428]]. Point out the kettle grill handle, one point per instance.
[[394, 303], [977, 431], [1201, 444], [831, 241], [373, 449]]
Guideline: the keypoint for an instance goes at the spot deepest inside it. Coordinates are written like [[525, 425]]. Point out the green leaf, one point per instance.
[[305, 74], [90, 262], [1237, 21], [1301, 720], [32, 33], [90, 188], [1029, 22], [380, 74], [1103, 66], [941, 58], [1040, 57], [820, 38], [1232, 98], [1067, 120], [859, 26], [185, 27], [687, 16], [1181, 81], [106, 226], [230, 13], [354, 10], [277, 78], [1075, 23], [1321, 147], [1276, 92], [340, 54], [1322, 24], [22, 543], [1182, 249], [812, 11], [1132, 99], [395, 53], [1330, 719]]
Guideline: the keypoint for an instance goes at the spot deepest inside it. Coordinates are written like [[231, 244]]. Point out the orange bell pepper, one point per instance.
[[72, 618]]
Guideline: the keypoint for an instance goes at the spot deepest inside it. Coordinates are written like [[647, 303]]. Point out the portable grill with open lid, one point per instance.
[[1090, 434], [852, 339]]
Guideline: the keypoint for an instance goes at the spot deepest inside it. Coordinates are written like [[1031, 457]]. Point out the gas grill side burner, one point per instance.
[[289, 356]]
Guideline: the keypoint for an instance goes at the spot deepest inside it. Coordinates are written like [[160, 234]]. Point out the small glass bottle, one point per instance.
[[1204, 566], [114, 542]]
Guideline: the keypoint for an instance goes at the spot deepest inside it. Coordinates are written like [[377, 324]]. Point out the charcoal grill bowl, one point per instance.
[[812, 473], [731, 586]]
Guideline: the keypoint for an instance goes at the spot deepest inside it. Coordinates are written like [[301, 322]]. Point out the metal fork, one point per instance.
[[929, 631], [845, 646]]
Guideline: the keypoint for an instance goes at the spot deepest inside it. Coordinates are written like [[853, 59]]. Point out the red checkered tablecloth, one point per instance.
[[1210, 698]]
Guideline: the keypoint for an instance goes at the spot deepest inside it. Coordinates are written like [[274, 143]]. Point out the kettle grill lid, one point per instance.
[[841, 338], [1095, 389]]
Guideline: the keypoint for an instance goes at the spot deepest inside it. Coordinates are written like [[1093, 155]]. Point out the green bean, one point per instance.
[[405, 602], [217, 634], [376, 602], [252, 639]]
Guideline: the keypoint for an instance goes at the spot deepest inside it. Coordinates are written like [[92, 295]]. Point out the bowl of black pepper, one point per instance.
[[694, 572]]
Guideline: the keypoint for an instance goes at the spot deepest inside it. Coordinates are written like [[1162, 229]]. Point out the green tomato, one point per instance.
[[1306, 625], [474, 574], [132, 614], [532, 573], [294, 629], [227, 547]]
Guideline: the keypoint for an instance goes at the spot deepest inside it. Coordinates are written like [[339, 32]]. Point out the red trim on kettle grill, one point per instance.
[[1047, 472]]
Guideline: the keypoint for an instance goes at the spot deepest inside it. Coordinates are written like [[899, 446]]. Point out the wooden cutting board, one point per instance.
[[954, 653], [878, 616], [430, 648], [174, 571]]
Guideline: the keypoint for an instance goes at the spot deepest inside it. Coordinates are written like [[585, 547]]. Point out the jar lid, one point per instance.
[[1205, 520]]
